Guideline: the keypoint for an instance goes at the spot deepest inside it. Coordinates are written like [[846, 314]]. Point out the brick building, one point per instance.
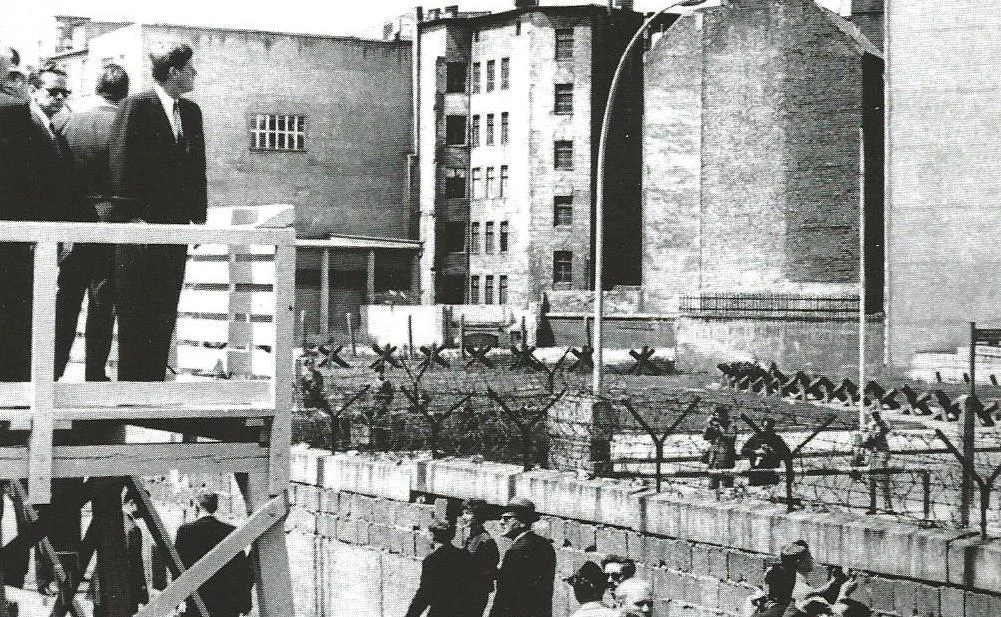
[[758, 117], [943, 139], [318, 122], [508, 110]]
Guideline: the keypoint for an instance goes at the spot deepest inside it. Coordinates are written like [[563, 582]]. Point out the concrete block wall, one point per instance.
[[360, 550]]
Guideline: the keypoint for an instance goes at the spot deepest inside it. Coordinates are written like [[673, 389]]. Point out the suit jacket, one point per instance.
[[88, 136], [227, 593], [446, 577], [164, 179], [56, 188], [15, 181], [483, 549], [525, 579]]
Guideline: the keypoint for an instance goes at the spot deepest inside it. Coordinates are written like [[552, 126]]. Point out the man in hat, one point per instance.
[[589, 584], [483, 550], [446, 578], [721, 434], [525, 577]]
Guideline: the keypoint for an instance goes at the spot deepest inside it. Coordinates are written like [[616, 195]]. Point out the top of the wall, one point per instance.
[[888, 547]]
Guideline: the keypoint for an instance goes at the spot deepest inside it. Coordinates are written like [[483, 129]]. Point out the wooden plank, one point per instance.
[[21, 501], [256, 363], [65, 416], [270, 554], [207, 272], [43, 336], [15, 394], [201, 394], [237, 332], [224, 302], [142, 459], [269, 516], [160, 535], [284, 364], [140, 233]]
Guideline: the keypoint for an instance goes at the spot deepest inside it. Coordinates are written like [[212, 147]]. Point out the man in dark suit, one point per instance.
[[227, 592], [158, 171], [446, 576], [89, 267], [525, 578], [16, 204]]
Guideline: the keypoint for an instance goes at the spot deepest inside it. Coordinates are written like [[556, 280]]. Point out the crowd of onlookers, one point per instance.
[[458, 579]]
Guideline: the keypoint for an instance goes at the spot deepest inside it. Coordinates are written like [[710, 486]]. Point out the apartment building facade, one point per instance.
[[508, 109]]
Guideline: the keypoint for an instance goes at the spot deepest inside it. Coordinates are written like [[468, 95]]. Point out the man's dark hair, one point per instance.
[[174, 55], [15, 58], [209, 501], [35, 79], [113, 84]]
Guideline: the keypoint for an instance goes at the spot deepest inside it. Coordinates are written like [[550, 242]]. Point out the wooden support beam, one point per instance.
[[159, 532], [269, 554], [43, 341], [143, 233], [202, 395], [270, 516], [21, 501], [284, 378], [141, 459]]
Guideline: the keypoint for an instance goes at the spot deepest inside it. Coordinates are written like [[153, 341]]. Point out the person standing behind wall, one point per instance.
[[525, 578], [158, 170], [722, 453], [90, 267], [483, 549]]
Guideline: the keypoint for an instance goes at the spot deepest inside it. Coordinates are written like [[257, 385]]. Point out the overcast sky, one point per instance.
[[26, 22]]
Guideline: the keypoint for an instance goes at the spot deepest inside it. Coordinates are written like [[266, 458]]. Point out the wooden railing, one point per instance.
[[255, 301]]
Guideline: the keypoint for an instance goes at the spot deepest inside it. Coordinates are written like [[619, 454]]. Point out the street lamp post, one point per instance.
[[599, 209]]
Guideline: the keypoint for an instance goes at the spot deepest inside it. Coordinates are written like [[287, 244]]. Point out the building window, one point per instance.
[[503, 236], [455, 77], [491, 66], [455, 183], [564, 43], [475, 86], [502, 289], [563, 210], [455, 130], [474, 290], [489, 186], [490, 130], [474, 238], [505, 73], [563, 154], [563, 103], [455, 237], [488, 289], [474, 131], [488, 238], [477, 183], [504, 128], [562, 267], [504, 179], [278, 132]]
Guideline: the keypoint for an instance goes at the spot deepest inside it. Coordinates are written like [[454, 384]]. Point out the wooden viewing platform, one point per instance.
[[240, 424]]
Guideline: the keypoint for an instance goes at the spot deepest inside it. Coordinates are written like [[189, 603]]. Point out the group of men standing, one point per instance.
[[138, 159], [457, 582]]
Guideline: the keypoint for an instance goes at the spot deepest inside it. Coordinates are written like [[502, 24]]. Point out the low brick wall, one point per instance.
[[356, 545]]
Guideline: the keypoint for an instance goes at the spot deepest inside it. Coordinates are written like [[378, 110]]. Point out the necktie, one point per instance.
[[178, 127]]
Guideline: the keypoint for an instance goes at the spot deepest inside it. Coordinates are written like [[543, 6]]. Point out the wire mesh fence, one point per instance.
[[674, 434]]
